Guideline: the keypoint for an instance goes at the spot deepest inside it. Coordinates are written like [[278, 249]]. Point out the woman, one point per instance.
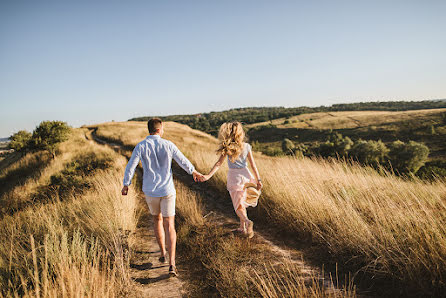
[[233, 146]]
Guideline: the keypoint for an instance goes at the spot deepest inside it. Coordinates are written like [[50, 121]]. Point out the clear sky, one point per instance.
[[93, 61]]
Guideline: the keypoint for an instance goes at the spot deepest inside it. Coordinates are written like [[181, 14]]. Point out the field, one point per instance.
[[375, 225], [323, 228], [424, 126]]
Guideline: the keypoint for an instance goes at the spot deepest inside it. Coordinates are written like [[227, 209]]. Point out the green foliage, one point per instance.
[[432, 130], [273, 151], [336, 145], [370, 152], [300, 150], [49, 134], [408, 157], [20, 140], [287, 146], [72, 178], [432, 170]]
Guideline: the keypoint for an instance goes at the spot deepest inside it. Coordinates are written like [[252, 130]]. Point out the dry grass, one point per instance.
[[36, 170], [350, 119], [72, 248], [379, 224], [227, 266]]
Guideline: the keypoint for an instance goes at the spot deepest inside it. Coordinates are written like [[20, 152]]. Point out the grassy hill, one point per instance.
[[210, 122], [427, 126], [378, 224], [64, 227], [63, 224], [423, 122]]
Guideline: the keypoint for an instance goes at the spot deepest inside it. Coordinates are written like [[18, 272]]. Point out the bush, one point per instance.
[[48, 135], [20, 140], [370, 152], [273, 151], [408, 157], [287, 146], [336, 145]]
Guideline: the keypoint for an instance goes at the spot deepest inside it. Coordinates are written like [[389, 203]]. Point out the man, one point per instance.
[[155, 154]]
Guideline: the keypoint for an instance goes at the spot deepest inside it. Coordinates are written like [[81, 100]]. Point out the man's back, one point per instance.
[[156, 154]]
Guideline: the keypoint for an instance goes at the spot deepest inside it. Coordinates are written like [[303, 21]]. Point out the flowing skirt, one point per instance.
[[235, 183]]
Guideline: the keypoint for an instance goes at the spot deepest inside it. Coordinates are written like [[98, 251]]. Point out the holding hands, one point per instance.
[[198, 177]]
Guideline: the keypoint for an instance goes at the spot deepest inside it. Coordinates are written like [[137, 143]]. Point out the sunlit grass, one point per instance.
[[376, 223], [72, 248]]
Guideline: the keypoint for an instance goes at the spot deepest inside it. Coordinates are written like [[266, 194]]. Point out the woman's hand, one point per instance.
[[259, 184], [206, 178]]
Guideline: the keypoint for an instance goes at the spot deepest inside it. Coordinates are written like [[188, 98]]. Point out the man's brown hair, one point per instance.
[[154, 124]]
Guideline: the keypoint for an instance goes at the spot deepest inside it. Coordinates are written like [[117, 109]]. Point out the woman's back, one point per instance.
[[241, 161]]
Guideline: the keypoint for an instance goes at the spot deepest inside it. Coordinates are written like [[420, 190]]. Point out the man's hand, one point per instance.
[[125, 190], [198, 177]]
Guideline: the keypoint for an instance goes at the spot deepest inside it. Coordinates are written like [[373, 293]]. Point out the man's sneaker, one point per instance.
[[172, 271], [162, 260]]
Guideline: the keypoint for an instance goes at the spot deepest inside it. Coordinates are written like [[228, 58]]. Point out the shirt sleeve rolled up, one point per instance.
[[181, 160]]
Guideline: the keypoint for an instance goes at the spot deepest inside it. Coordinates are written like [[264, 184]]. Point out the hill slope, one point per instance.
[[386, 227]]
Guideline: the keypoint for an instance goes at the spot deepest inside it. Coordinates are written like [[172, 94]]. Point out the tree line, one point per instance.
[[210, 122]]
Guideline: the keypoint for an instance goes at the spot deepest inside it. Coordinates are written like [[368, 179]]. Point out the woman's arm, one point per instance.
[[254, 169], [215, 168]]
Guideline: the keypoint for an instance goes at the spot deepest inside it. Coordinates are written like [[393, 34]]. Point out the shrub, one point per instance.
[[273, 151], [408, 157], [48, 135], [370, 152], [287, 146], [336, 145], [20, 140]]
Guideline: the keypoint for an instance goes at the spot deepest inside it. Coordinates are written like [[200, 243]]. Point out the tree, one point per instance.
[[20, 140], [49, 134]]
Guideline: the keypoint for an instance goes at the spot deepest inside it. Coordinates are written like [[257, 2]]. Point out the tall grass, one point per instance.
[[379, 224], [74, 247], [219, 263]]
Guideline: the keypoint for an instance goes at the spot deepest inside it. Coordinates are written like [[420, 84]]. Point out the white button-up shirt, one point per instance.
[[155, 154]]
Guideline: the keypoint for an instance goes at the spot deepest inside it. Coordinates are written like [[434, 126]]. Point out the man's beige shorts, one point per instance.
[[165, 205]]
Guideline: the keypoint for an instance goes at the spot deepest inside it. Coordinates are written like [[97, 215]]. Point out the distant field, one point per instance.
[[350, 119], [425, 126]]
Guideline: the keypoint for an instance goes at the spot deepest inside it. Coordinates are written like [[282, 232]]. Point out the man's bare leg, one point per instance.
[[171, 237], [159, 233]]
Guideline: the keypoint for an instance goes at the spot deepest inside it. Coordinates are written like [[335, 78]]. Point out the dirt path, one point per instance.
[[151, 276]]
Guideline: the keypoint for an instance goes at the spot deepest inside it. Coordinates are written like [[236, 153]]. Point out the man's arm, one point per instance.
[[184, 163], [130, 170]]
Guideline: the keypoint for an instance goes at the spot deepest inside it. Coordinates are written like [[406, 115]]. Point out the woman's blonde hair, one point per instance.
[[231, 136]]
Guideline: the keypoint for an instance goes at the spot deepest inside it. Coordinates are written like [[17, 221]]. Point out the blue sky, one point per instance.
[[93, 61]]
